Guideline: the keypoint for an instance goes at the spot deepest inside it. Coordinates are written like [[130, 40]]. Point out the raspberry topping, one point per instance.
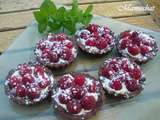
[[134, 49], [127, 75], [79, 90], [74, 107], [64, 99], [95, 39], [65, 82], [93, 28], [137, 43], [90, 42], [59, 50], [117, 85], [29, 81], [131, 85], [24, 68], [21, 91], [79, 80], [88, 102]]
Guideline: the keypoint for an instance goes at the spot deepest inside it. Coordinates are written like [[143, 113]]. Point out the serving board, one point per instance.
[[145, 106]]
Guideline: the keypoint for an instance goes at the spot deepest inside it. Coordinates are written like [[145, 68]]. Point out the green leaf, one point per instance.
[[49, 7], [88, 10], [54, 26], [42, 27], [40, 17], [70, 26], [61, 13], [86, 19]]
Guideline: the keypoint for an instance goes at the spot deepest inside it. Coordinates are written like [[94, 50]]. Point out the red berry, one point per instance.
[[136, 73], [43, 84], [95, 34], [90, 42], [69, 45], [88, 103], [117, 85], [114, 65], [24, 68], [21, 91], [92, 88], [64, 99], [77, 92], [107, 72], [33, 93], [45, 53], [27, 78], [93, 27], [134, 34], [53, 57], [125, 34], [126, 67], [144, 49], [136, 41], [14, 81], [101, 44], [79, 79], [133, 50], [66, 54], [65, 82], [131, 85], [74, 107], [39, 70], [125, 43]]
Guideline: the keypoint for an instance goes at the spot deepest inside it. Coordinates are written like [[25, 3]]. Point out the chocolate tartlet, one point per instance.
[[121, 77], [137, 45], [77, 96], [95, 39], [29, 83], [57, 50]]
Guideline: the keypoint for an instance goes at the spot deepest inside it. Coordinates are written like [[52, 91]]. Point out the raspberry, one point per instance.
[[39, 70], [66, 54], [131, 85], [90, 42], [117, 85], [93, 27], [79, 80], [21, 91], [88, 103], [24, 69], [53, 57], [73, 107], [144, 49], [64, 99], [65, 82], [125, 43], [41, 46], [134, 35], [133, 50], [77, 92], [33, 93], [125, 34], [107, 72], [101, 44], [45, 53], [14, 81], [27, 78], [69, 45], [43, 84], [136, 73]]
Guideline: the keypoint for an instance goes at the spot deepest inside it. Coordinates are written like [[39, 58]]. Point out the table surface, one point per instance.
[[15, 15]]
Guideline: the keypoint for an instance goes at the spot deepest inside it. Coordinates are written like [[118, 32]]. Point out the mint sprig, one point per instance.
[[52, 19]]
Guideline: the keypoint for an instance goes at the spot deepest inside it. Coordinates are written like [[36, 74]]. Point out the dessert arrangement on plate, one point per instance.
[[80, 95]]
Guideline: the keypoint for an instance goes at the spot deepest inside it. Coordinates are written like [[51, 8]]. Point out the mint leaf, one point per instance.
[[88, 10], [40, 17], [42, 27]]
